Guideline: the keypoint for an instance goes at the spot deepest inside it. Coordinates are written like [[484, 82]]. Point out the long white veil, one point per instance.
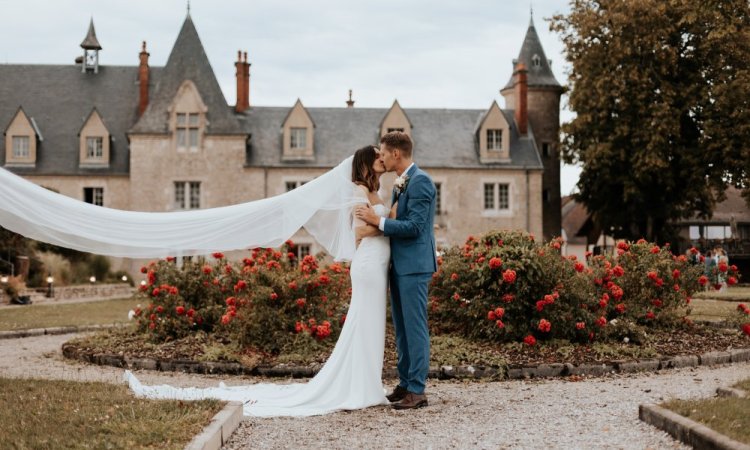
[[322, 207]]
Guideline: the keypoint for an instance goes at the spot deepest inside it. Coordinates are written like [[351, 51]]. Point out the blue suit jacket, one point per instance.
[[412, 231]]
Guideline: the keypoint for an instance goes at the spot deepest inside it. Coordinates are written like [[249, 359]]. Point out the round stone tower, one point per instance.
[[543, 103]]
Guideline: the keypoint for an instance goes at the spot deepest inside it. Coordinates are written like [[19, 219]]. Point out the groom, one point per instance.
[[412, 264]]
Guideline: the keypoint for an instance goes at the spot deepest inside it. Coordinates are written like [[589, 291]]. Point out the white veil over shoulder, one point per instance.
[[322, 206]]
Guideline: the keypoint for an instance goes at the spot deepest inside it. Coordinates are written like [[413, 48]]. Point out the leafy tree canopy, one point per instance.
[[661, 92]]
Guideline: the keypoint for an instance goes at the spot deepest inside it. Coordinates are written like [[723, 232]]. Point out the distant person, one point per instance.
[[710, 264]]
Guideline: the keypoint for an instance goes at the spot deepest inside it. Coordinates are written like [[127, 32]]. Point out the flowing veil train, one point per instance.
[[350, 379], [321, 206]]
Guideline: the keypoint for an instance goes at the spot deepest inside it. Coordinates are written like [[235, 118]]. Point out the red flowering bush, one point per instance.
[[263, 302], [544, 295]]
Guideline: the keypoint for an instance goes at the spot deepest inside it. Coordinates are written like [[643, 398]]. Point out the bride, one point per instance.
[[351, 378]]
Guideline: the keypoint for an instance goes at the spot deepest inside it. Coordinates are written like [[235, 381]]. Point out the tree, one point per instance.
[[661, 92]]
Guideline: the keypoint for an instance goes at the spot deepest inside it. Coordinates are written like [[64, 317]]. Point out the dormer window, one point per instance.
[[94, 142], [22, 137], [188, 119], [494, 140], [94, 147], [395, 120], [298, 138], [188, 131], [493, 136], [298, 135], [21, 147], [536, 61]]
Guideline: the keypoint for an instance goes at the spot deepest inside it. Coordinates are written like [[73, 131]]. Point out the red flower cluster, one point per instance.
[[495, 263], [703, 280], [544, 326], [218, 255], [580, 325], [509, 276], [743, 308], [579, 267], [746, 328], [601, 321], [529, 340]]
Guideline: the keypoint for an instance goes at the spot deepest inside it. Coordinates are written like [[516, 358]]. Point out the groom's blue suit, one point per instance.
[[413, 262]]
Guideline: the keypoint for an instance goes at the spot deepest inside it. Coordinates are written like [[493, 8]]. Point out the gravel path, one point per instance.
[[558, 413]]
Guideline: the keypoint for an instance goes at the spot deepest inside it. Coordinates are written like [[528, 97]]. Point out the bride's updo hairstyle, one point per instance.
[[362, 172]]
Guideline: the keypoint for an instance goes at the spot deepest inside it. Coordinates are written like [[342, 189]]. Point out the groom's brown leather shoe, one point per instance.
[[412, 401], [397, 395]]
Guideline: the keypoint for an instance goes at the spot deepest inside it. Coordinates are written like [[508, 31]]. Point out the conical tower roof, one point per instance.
[[188, 61], [90, 42], [536, 62]]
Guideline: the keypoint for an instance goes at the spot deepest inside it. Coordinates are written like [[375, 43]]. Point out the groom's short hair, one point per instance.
[[399, 140]]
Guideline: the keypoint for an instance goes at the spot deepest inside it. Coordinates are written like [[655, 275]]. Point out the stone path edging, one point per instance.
[[731, 392], [686, 430], [443, 372], [217, 433], [16, 334]]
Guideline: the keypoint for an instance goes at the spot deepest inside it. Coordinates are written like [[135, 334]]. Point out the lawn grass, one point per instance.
[[734, 293], [69, 414], [743, 385], [727, 415], [66, 314], [712, 310]]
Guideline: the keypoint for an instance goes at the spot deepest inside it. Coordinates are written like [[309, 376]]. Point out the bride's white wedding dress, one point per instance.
[[350, 379]]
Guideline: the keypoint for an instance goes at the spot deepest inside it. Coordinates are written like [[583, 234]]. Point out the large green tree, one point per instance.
[[661, 92]]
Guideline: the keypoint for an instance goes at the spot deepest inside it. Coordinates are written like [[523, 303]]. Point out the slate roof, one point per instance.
[[442, 137], [59, 98], [538, 76], [188, 61]]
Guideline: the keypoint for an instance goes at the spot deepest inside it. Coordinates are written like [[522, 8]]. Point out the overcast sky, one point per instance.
[[424, 53]]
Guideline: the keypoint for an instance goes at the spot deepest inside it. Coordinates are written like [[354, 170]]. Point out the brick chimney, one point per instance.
[[143, 74], [521, 94], [243, 82]]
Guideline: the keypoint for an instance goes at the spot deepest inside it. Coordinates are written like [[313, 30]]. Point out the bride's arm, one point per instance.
[[361, 228]]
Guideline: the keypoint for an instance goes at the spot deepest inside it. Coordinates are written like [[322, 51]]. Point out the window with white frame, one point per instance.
[[494, 139], [302, 250], [21, 147], [94, 195], [294, 184], [546, 149], [94, 147], [188, 128], [298, 137], [187, 194], [496, 196]]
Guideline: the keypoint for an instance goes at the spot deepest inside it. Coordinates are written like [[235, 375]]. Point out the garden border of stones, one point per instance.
[[689, 431], [511, 372]]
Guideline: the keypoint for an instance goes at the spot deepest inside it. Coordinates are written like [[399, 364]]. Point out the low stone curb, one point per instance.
[[686, 430], [512, 372], [730, 392], [222, 425], [53, 330]]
